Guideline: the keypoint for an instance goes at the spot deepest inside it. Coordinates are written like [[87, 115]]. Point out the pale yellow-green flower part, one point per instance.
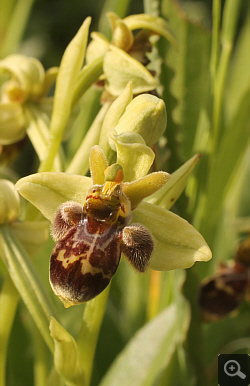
[[177, 244], [146, 115], [133, 154], [27, 78], [144, 187], [119, 68], [9, 202], [113, 115], [98, 164], [122, 36], [98, 46], [153, 23], [66, 357], [168, 194], [48, 190], [12, 123]]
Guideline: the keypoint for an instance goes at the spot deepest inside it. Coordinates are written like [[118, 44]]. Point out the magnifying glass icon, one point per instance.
[[232, 368]]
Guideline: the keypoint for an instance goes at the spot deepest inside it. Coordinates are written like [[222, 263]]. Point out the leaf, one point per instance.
[[190, 64], [150, 349], [47, 191], [177, 244]]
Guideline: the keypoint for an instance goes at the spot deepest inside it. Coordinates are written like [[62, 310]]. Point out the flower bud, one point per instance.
[[145, 115], [27, 78], [9, 202]]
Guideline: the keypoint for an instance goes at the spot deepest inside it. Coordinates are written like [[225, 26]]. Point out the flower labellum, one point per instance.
[[91, 238]]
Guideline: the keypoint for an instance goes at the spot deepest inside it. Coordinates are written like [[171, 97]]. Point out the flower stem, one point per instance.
[[88, 335], [8, 304], [27, 281]]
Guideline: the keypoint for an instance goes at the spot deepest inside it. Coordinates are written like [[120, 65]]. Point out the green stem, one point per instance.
[[88, 335], [27, 282], [80, 162], [89, 75], [8, 304]]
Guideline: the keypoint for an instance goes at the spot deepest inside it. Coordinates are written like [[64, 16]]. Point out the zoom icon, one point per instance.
[[233, 369]]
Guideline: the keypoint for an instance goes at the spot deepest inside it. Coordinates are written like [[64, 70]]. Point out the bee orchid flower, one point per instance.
[[96, 219]]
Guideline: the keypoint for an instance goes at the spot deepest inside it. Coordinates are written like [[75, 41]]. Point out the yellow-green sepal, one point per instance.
[[48, 190], [177, 244], [119, 68], [114, 113]]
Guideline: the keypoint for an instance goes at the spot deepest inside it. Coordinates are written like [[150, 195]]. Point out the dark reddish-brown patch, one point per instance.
[[222, 294]]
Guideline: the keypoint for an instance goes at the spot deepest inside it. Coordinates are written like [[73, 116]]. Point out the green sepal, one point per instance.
[[66, 358], [168, 194], [177, 244], [47, 191], [119, 68], [113, 115]]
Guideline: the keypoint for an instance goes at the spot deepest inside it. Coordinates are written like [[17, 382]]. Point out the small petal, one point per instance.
[[168, 194], [133, 155], [146, 115], [9, 202], [66, 357], [47, 191], [98, 164], [120, 68], [136, 191], [177, 244]]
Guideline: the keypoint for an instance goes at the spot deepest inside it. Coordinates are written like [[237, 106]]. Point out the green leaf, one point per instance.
[[177, 244], [47, 191], [66, 358], [190, 63], [150, 350]]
